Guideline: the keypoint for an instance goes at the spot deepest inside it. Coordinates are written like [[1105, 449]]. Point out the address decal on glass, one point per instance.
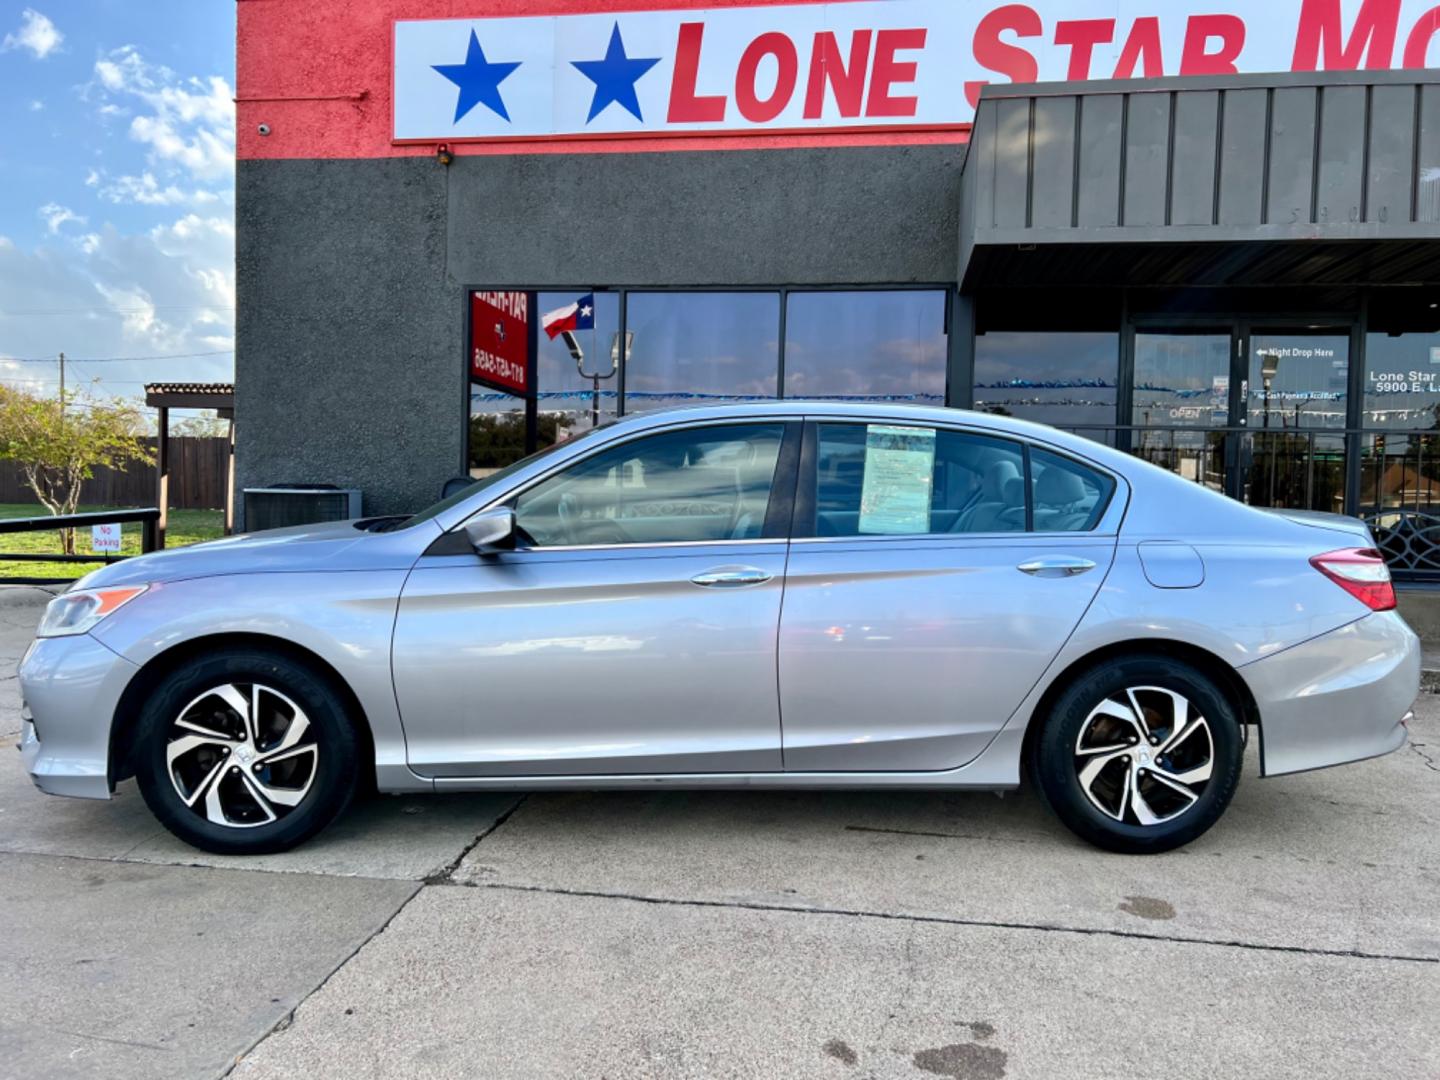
[[899, 471]]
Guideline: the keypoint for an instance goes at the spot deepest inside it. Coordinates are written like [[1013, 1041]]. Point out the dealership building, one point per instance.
[[1211, 237]]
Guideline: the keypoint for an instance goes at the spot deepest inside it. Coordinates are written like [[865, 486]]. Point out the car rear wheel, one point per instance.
[[1140, 755], [246, 752]]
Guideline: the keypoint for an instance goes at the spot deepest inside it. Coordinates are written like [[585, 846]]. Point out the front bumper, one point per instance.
[[1342, 696], [70, 687]]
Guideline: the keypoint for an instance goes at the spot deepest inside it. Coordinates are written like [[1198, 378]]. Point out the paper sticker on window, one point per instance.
[[899, 467]]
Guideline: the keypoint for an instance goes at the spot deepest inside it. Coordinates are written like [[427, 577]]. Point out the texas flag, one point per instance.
[[577, 316]]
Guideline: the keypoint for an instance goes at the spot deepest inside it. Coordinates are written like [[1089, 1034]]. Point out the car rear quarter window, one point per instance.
[[1068, 496]]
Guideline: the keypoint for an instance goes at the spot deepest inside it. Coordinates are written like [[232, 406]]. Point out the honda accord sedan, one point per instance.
[[788, 594]]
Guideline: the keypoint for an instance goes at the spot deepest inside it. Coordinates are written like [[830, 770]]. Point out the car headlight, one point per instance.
[[78, 611]]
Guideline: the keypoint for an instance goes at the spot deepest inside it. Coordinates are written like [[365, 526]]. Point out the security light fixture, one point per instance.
[[615, 358], [443, 154], [573, 344]]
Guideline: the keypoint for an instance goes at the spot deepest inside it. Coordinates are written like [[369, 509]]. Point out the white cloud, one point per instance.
[[168, 290], [36, 105], [148, 191], [54, 215], [190, 122], [36, 33], [98, 290]]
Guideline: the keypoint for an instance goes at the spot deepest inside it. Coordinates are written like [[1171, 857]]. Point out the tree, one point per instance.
[[497, 439], [208, 426], [58, 445]]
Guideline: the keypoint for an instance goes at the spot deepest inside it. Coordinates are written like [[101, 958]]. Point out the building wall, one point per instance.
[[351, 275]]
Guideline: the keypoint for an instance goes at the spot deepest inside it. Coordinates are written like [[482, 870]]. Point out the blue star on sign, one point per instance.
[[478, 79], [614, 77]]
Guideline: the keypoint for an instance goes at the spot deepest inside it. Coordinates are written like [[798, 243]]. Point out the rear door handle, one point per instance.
[[732, 577], [1056, 566]]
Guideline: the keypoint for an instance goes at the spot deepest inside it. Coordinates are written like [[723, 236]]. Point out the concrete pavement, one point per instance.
[[729, 934]]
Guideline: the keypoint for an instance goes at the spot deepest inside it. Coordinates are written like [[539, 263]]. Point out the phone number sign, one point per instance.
[[500, 340]]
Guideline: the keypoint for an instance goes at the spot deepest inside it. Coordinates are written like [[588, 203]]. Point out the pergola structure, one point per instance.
[[167, 396]]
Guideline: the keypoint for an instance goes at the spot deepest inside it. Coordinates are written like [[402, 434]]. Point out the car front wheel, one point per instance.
[[1140, 755], [245, 752]]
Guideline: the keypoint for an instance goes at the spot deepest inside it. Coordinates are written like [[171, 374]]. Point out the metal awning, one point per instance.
[[1291, 179]]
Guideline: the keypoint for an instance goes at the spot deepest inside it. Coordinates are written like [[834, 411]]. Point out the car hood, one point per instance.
[[337, 545]]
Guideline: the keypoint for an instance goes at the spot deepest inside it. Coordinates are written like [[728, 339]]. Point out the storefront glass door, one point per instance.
[[1181, 400], [1254, 409], [1295, 409]]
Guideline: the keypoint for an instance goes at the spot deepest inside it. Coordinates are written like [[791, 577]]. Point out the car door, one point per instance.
[[928, 588], [633, 629]]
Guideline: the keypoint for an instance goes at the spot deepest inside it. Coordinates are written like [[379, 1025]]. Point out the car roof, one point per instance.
[[879, 410]]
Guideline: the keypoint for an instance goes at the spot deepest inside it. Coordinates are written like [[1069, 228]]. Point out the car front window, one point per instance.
[[710, 483], [494, 478]]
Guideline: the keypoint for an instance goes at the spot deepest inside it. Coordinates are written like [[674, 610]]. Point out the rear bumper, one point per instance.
[[1342, 696], [70, 687]]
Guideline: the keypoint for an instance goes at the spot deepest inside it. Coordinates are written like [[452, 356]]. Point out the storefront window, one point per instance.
[[690, 347], [1400, 451], [869, 345], [567, 401], [1062, 378], [1182, 378], [1402, 380], [576, 394], [1297, 380]]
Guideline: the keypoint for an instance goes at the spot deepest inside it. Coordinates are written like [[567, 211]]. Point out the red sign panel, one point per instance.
[[500, 340]]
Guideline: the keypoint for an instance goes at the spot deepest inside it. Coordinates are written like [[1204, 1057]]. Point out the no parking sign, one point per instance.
[[105, 538]]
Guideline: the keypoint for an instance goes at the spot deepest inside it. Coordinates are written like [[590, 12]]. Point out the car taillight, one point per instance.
[[1362, 573]]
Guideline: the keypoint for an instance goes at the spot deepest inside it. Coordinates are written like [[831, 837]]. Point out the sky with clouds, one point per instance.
[[117, 192]]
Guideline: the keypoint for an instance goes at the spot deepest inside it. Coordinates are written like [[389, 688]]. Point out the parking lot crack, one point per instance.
[[955, 920], [1419, 748], [446, 874], [289, 1018]]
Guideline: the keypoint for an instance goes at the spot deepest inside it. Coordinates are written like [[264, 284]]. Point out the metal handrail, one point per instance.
[[149, 518]]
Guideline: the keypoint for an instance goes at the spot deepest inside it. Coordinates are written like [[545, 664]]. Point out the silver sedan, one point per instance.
[[788, 594]]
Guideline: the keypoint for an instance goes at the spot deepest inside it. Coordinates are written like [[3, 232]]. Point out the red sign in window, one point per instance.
[[500, 340]]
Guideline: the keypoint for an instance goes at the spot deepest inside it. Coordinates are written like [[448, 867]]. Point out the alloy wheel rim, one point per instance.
[[242, 755], [1144, 756]]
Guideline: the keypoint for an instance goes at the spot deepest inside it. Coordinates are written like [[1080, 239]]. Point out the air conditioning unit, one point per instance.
[[298, 504]]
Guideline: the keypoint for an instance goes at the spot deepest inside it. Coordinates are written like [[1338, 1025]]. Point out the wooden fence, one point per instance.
[[197, 479]]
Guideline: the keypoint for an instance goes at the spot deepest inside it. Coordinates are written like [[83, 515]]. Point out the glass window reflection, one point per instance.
[[1297, 380], [1402, 381], [689, 347], [1182, 378], [1061, 378], [868, 345]]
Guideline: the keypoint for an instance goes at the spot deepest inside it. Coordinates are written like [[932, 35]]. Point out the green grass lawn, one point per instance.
[[185, 527]]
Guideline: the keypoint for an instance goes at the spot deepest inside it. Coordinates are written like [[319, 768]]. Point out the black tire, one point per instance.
[[333, 772], [1056, 764]]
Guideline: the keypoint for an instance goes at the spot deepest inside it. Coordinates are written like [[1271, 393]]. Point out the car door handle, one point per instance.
[[1056, 566], [732, 577]]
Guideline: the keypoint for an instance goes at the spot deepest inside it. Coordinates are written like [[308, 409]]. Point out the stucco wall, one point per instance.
[[350, 275]]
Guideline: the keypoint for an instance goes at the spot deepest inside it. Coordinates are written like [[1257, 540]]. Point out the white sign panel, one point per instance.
[[857, 65], [105, 538]]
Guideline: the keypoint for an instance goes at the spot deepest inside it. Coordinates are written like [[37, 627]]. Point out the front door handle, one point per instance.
[[1056, 566], [732, 577]]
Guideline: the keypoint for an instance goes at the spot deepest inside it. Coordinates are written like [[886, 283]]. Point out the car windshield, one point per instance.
[[494, 478]]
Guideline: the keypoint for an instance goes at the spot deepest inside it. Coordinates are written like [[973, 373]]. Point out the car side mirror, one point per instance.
[[492, 530]]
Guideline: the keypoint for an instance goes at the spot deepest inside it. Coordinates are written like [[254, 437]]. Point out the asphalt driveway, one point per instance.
[[727, 934]]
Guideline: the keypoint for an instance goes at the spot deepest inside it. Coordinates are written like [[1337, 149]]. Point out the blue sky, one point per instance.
[[117, 178]]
